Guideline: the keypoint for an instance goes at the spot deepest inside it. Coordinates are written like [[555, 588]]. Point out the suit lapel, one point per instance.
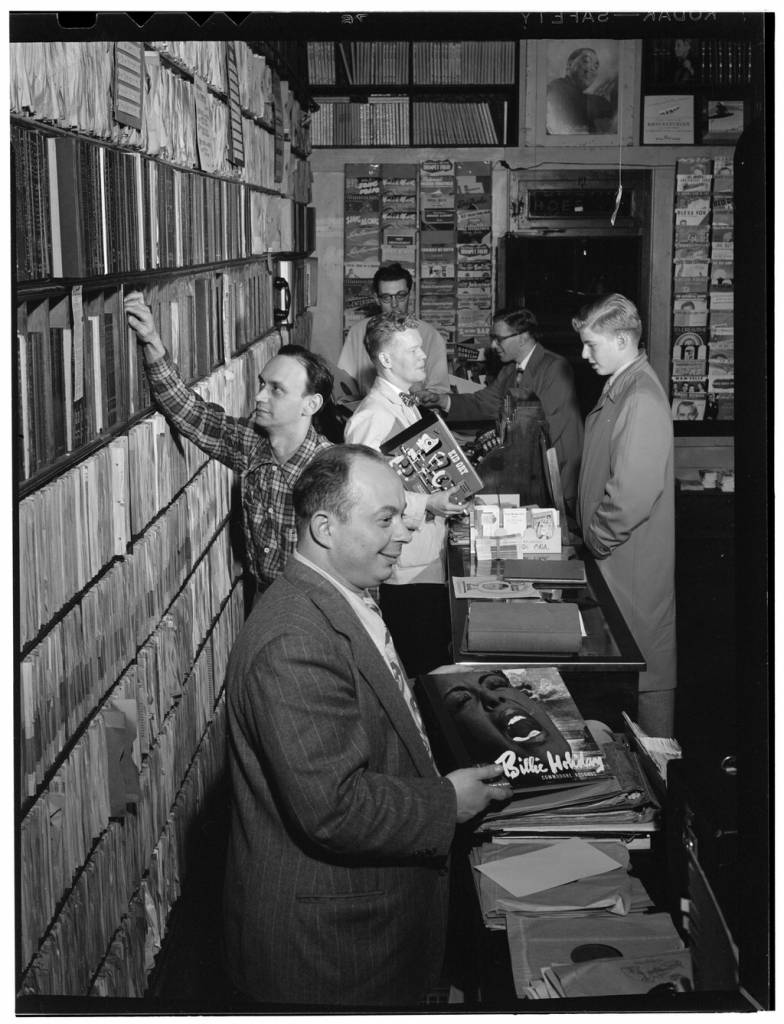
[[533, 365], [366, 657]]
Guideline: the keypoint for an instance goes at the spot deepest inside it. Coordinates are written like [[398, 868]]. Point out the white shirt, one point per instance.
[[526, 359], [374, 422]]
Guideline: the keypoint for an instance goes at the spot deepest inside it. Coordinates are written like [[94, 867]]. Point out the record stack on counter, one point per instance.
[[590, 932], [567, 778], [552, 864]]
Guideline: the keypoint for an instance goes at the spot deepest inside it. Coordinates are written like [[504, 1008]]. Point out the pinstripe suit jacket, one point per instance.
[[336, 881]]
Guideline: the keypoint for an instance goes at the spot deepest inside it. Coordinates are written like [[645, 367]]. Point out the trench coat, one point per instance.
[[626, 506]]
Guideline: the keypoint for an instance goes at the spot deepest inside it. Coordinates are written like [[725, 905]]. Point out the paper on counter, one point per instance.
[[545, 869], [490, 588]]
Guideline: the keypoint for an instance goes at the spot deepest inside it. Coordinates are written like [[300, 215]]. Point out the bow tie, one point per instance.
[[407, 398]]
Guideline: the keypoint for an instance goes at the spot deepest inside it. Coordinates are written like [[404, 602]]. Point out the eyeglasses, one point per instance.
[[387, 300], [497, 338]]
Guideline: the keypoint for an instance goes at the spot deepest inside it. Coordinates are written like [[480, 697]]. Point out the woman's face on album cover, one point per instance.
[[494, 716]]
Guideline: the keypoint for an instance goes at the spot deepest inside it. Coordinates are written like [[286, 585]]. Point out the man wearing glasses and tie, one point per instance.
[[533, 371], [392, 287]]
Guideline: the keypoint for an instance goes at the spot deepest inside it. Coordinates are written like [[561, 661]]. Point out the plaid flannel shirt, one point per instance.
[[267, 509]]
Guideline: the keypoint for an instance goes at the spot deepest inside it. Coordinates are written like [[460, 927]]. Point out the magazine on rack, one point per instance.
[[521, 717]]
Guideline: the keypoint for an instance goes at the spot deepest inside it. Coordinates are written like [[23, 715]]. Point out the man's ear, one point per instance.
[[624, 340], [312, 405], [320, 529], [384, 360]]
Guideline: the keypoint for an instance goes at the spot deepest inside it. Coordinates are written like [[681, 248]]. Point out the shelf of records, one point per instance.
[[111, 631], [434, 218], [388, 120], [110, 505], [80, 369], [214, 104], [703, 338], [104, 850], [426, 62], [84, 209]]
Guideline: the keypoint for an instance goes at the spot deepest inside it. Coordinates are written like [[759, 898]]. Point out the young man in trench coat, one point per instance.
[[626, 496]]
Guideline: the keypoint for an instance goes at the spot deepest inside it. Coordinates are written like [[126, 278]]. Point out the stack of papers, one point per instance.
[[568, 878], [577, 923]]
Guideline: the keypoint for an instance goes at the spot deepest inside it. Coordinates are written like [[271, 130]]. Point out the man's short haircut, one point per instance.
[[577, 53], [610, 314], [319, 377], [381, 330], [392, 272], [325, 482], [521, 321]]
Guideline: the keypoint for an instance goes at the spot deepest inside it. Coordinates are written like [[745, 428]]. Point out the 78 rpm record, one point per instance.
[[537, 942]]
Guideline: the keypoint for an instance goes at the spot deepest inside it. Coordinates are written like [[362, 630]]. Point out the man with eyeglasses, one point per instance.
[[392, 288], [533, 371]]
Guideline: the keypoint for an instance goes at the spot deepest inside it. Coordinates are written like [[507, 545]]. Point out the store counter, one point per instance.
[[602, 675]]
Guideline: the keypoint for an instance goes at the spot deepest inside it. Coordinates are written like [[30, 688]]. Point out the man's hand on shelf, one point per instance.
[[141, 321]]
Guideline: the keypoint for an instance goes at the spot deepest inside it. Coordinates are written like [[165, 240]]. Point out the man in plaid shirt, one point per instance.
[[269, 450]]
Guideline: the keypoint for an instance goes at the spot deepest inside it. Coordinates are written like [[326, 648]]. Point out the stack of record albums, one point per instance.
[[552, 865]]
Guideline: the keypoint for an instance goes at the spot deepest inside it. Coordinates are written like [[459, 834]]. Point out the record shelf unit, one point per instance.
[[414, 93], [180, 169]]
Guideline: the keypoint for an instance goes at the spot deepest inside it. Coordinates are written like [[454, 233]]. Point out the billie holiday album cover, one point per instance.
[[523, 718]]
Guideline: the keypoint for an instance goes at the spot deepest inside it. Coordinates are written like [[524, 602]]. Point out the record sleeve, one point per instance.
[[427, 458], [522, 717], [538, 942]]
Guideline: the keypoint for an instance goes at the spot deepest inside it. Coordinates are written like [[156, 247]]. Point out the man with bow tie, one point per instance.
[[414, 601], [533, 371]]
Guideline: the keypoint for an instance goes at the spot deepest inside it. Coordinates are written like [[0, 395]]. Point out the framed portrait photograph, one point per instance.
[[581, 83]]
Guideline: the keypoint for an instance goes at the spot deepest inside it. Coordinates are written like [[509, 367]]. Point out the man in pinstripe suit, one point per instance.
[[336, 880]]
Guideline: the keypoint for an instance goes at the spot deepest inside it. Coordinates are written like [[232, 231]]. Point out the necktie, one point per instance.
[[391, 658], [407, 398], [519, 377]]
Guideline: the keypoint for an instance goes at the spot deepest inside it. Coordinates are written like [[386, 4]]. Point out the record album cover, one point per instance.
[[427, 458], [522, 718]]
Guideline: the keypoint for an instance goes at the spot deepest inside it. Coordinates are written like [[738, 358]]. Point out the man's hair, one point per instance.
[[576, 53], [610, 314], [324, 483], [521, 321], [392, 272], [381, 330], [319, 377]]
